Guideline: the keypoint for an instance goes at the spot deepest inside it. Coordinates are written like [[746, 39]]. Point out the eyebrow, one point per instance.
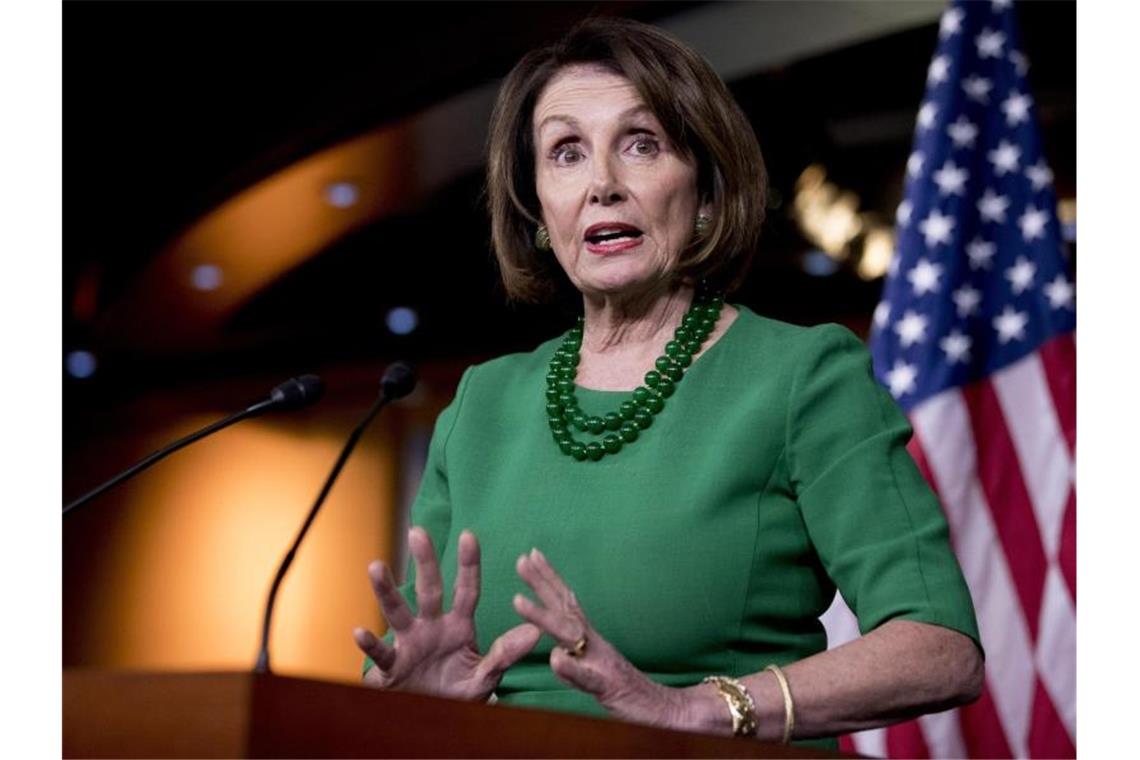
[[632, 111]]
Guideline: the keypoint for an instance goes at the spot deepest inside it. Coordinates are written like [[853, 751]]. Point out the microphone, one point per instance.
[[397, 381], [294, 393]]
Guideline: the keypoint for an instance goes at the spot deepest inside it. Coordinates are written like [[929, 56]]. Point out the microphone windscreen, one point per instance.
[[297, 392], [398, 381]]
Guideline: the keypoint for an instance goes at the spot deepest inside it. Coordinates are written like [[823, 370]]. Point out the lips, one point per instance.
[[611, 237]]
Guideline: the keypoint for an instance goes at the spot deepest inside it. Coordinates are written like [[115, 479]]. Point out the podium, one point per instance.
[[139, 714]]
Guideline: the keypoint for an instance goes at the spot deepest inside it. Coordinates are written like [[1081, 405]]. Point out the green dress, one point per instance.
[[711, 545]]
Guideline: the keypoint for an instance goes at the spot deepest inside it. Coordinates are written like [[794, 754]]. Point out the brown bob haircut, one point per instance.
[[697, 112]]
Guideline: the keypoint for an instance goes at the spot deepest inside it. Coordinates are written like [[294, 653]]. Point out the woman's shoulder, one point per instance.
[[508, 369], [772, 339]]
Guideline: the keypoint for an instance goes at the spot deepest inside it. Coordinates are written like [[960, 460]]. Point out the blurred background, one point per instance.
[[255, 190]]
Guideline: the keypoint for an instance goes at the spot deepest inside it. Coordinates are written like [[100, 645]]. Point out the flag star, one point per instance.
[[1020, 275], [924, 277], [936, 228], [927, 114], [1039, 174], [1010, 324], [951, 23], [956, 346], [901, 378], [1016, 108], [962, 132], [981, 253], [989, 43], [1020, 62], [1032, 224], [882, 314], [938, 70], [911, 329], [1060, 293], [914, 163], [992, 206], [967, 299], [1005, 158], [977, 88], [902, 215], [951, 180], [999, 5]]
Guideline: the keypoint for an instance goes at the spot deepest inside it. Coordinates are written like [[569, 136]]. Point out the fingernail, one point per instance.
[[539, 554]]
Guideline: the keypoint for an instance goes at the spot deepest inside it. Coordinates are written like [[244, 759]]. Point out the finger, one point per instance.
[[565, 630], [508, 649], [550, 595], [392, 602], [467, 577], [574, 672], [383, 655], [429, 585]]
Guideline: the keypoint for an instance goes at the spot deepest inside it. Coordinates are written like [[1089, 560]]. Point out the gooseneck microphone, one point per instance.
[[398, 381], [294, 393]]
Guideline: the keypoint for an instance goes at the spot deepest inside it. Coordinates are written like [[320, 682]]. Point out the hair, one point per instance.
[[699, 116]]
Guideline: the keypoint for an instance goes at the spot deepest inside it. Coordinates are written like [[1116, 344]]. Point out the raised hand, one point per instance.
[[436, 652], [588, 662]]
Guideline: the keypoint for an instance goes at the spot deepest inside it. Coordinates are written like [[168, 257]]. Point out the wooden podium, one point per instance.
[[131, 714]]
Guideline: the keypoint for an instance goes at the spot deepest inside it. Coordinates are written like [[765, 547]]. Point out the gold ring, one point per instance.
[[579, 647]]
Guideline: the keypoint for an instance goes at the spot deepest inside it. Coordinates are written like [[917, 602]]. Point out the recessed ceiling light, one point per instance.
[[80, 364], [206, 277], [342, 194], [402, 320]]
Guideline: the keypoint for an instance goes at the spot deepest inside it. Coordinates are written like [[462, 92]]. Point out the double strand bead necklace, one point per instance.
[[622, 427]]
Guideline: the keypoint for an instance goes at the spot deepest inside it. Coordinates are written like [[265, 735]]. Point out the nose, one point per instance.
[[606, 188]]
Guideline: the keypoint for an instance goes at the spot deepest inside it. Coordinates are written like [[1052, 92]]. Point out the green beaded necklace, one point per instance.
[[623, 426]]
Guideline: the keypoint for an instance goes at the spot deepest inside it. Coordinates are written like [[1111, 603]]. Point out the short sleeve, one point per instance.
[[875, 523], [431, 508]]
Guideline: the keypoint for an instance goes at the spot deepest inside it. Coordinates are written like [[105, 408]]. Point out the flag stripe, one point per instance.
[[942, 424], [983, 731], [999, 473], [1059, 357], [1048, 737], [906, 740], [1068, 551], [1058, 670], [1031, 417], [943, 733]]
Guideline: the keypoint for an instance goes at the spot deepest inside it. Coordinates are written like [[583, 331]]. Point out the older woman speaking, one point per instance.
[[669, 494]]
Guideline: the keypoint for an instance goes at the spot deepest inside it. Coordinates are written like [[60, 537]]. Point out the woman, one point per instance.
[[702, 478]]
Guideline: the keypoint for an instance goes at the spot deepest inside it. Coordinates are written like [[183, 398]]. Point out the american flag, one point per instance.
[[974, 337]]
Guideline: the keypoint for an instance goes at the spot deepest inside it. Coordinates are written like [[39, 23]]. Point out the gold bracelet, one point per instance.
[[789, 708], [740, 704]]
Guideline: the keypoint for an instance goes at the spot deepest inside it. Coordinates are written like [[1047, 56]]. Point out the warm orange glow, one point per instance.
[[185, 579]]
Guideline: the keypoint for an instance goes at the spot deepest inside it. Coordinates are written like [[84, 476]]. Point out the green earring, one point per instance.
[[542, 238], [702, 225]]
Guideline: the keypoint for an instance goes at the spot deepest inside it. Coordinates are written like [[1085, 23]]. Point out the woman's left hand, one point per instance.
[[588, 662]]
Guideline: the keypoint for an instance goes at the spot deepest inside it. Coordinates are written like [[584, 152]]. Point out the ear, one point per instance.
[[705, 209]]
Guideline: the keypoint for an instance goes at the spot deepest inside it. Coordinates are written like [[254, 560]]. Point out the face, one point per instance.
[[619, 200]]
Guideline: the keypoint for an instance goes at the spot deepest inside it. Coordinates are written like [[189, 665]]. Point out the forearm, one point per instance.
[[899, 670]]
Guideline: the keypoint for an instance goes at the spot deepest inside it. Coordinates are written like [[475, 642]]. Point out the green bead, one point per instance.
[[627, 410], [642, 419], [629, 432], [557, 423], [568, 373], [640, 394], [572, 360], [568, 400], [613, 421], [595, 451], [652, 378], [675, 373], [717, 301], [575, 333], [612, 443], [580, 421], [554, 410], [655, 404], [682, 334], [690, 320], [566, 446], [552, 378], [672, 348], [665, 387], [707, 324], [693, 346], [561, 435], [595, 425], [565, 385], [552, 394], [683, 358], [578, 450], [663, 364]]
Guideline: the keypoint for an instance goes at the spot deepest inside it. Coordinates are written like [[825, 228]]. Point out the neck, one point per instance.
[[635, 324]]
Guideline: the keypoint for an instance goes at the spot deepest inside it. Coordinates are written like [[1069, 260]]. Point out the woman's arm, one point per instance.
[[899, 670]]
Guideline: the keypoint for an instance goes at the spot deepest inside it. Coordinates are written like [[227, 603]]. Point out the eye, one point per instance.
[[566, 153], [644, 145]]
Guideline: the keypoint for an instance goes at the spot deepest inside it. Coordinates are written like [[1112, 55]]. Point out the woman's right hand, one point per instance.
[[436, 652]]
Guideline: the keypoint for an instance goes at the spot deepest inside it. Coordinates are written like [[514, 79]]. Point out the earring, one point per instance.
[[542, 238], [702, 225]]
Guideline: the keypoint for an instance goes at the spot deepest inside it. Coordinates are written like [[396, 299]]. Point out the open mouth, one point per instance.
[[608, 235]]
